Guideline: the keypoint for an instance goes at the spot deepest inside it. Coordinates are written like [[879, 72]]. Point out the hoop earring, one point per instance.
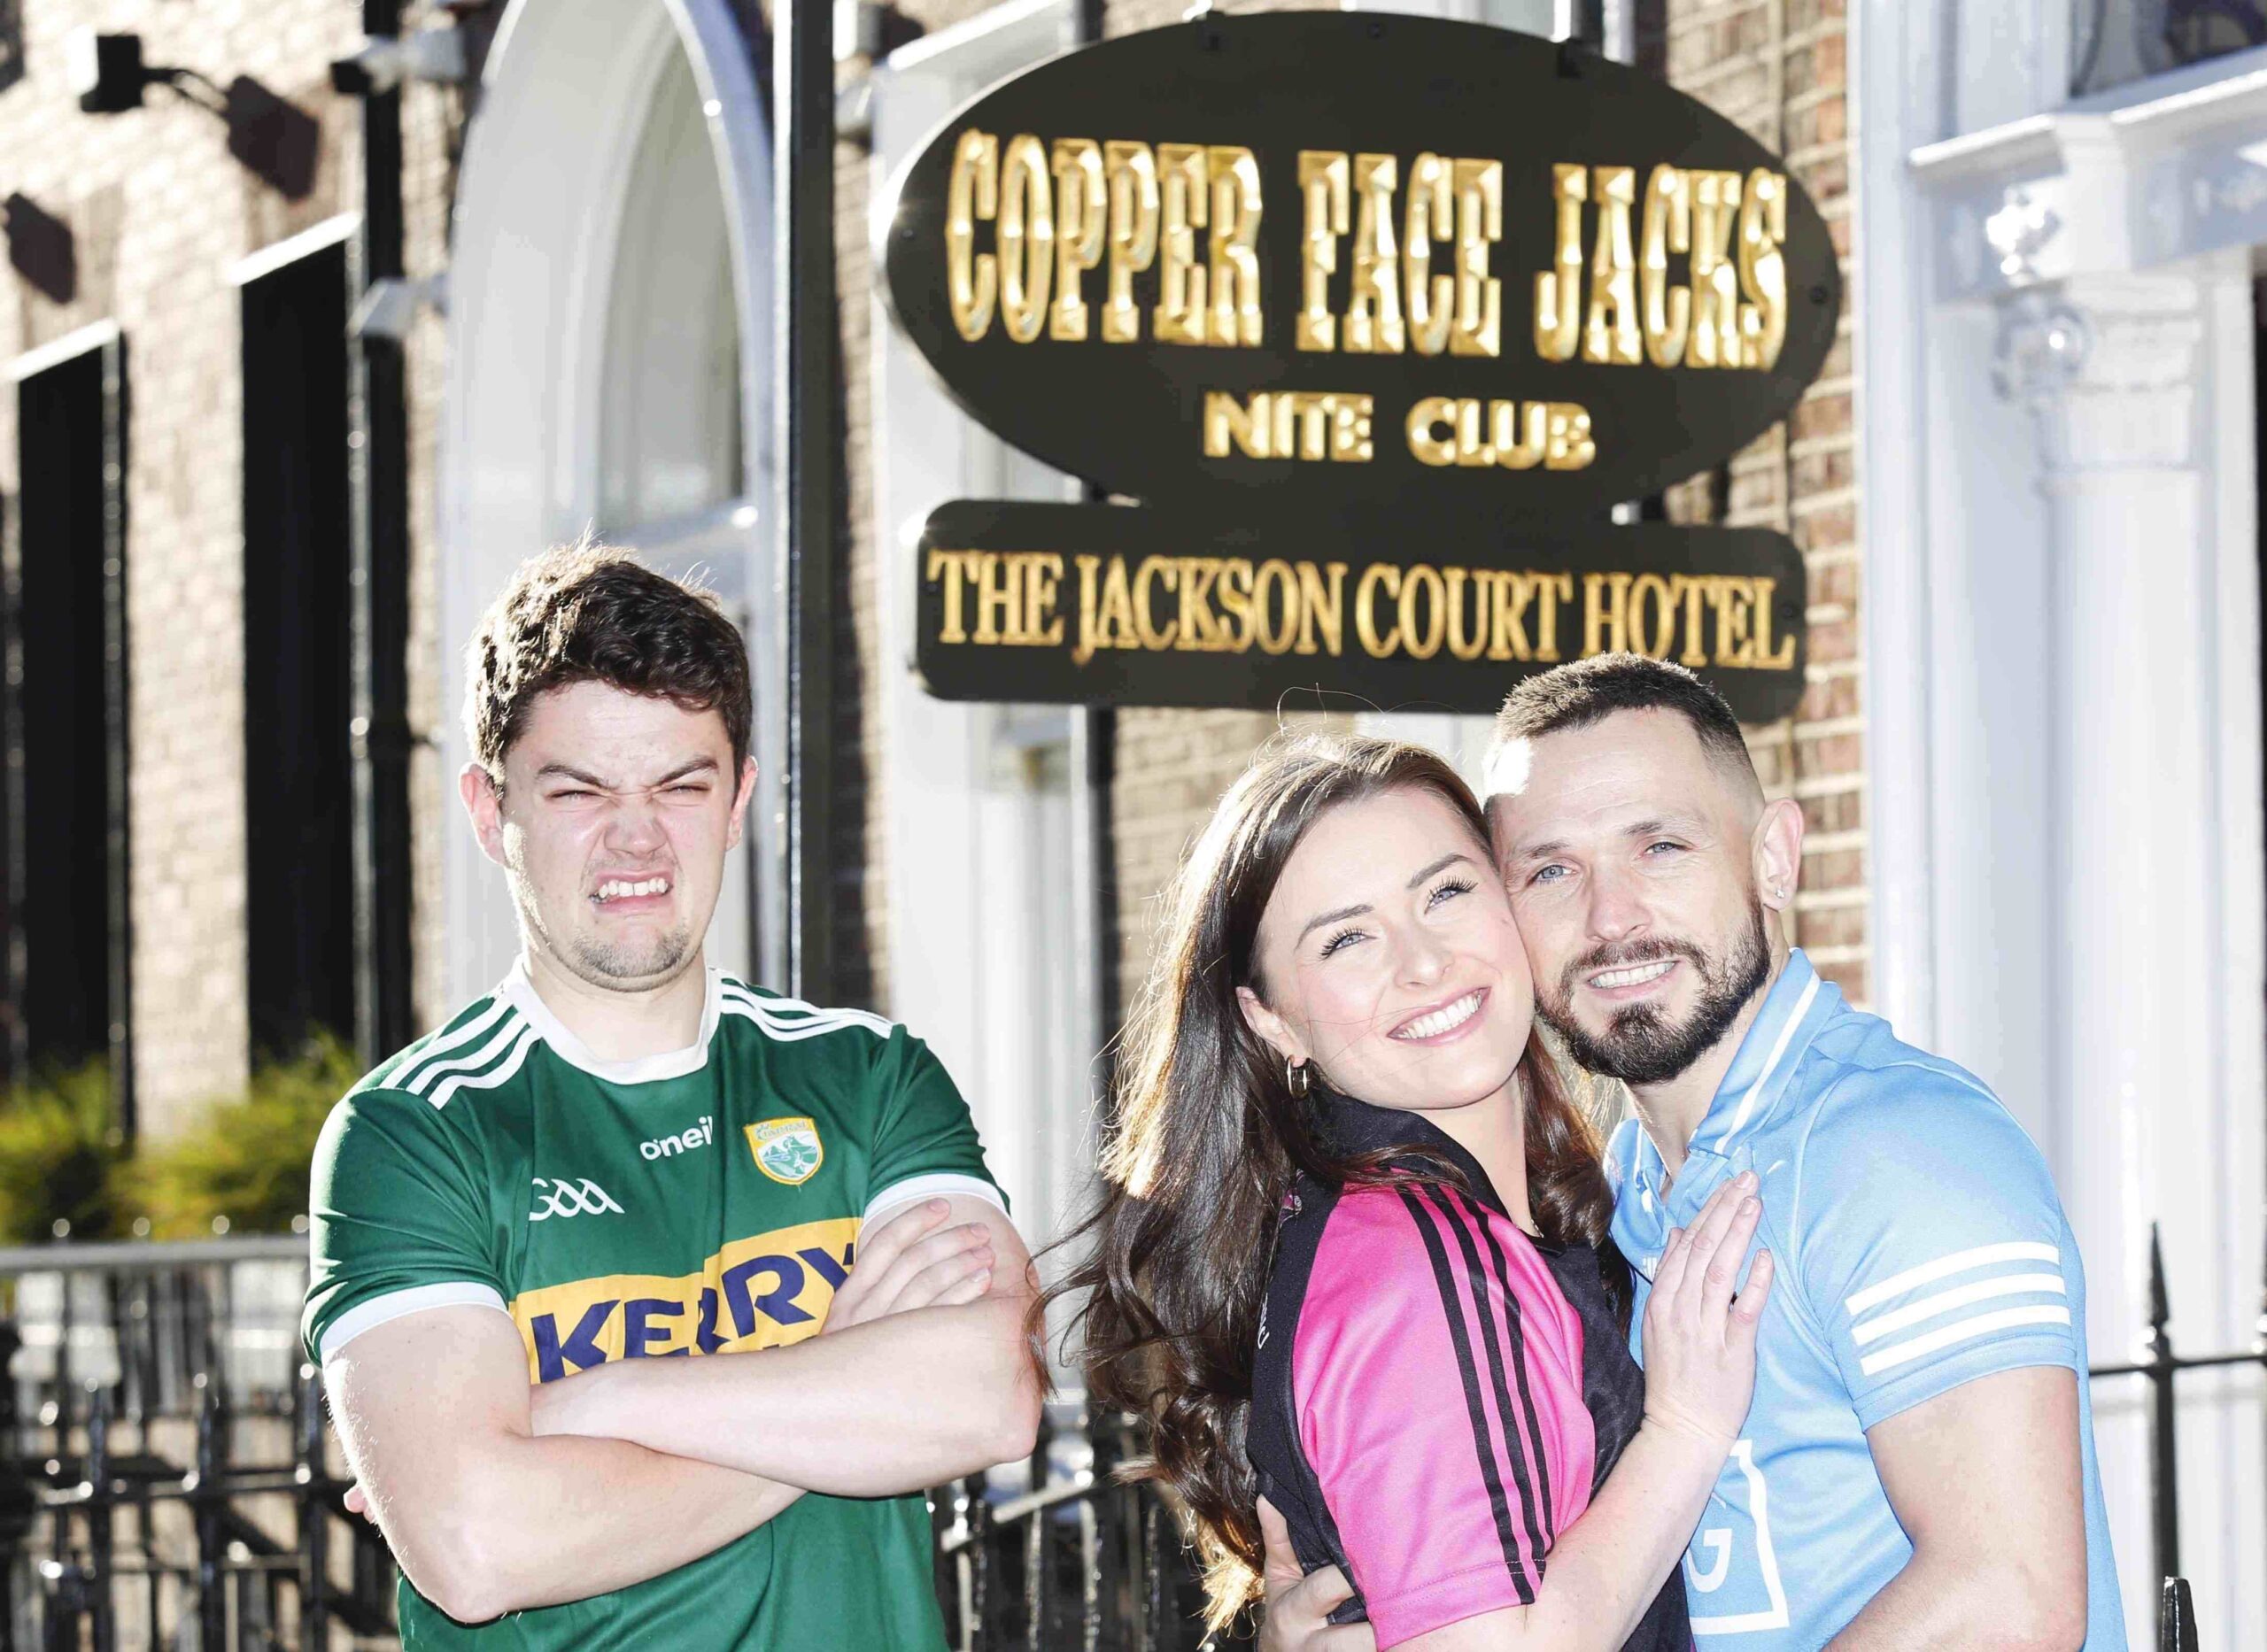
[[1295, 1078]]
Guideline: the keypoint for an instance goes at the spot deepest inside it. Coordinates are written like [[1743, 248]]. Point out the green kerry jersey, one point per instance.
[[704, 1201]]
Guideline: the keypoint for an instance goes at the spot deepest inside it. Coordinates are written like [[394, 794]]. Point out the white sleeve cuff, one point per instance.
[[944, 1184], [395, 1304]]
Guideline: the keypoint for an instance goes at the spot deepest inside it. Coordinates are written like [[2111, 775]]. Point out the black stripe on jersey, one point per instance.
[[1518, 1339], [1483, 1436], [1515, 1442]]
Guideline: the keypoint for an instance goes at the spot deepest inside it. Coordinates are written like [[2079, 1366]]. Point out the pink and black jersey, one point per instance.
[[1436, 1395]]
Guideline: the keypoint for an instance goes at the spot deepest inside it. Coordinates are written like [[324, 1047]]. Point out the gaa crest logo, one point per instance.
[[786, 1149]]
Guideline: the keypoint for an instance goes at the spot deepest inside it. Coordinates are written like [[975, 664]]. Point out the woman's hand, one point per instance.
[[1699, 1341]]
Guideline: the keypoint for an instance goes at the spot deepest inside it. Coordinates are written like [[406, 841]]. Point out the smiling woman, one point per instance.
[[1335, 1082]]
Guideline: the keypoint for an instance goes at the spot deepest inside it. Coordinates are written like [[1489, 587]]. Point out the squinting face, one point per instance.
[[617, 811], [1629, 860], [1388, 956]]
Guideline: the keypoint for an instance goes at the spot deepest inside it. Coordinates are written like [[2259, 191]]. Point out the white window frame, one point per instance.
[[566, 90]]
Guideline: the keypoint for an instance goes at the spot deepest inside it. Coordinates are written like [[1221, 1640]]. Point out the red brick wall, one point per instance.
[[1780, 69]]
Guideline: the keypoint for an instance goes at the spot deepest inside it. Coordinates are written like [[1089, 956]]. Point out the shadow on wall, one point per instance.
[[273, 137], [40, 245], [11, 42]]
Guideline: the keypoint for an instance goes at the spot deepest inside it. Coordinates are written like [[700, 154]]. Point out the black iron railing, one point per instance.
[[169, 1478]]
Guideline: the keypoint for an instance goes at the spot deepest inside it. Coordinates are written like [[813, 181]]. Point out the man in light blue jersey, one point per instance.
[[1918, 1466]]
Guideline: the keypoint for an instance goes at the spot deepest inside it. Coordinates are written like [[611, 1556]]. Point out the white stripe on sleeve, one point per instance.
[[940, 1184], [395, 1304], [1959, 1296], [1959, 1261], [1945, 1336]]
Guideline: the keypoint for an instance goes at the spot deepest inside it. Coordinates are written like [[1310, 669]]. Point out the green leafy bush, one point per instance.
[[59, 1152], [245, 1160]]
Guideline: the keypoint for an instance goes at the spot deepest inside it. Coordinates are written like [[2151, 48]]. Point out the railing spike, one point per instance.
[[2160, 1302]]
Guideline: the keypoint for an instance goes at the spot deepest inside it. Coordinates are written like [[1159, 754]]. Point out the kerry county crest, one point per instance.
[[786, 1149]]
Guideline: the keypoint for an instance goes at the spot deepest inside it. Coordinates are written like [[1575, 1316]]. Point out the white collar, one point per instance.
[[517, 990]]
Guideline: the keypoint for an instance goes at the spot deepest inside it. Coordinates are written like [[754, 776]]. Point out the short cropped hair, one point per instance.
[[1587, 691], [591, 612]]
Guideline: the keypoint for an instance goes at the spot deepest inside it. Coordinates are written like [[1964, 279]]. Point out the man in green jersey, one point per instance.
[[620, 1156]]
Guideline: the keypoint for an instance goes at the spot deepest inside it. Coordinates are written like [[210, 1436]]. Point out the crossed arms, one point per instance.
[[923, 1373]]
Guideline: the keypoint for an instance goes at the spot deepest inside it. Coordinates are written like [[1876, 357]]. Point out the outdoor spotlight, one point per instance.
[[383, 62], [107, 75], [105, 71], [391, 305]]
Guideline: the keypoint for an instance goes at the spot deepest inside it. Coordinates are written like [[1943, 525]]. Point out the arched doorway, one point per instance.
[[608, 352]]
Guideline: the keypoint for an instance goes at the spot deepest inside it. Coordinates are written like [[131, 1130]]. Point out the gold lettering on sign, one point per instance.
[[1763, 269], [1519, 447], [945, 572], [1466, 643], [1221, 605], [1422, 642], [1131, 172], [1293, 606], [1715, 278], [1373, 311], [1479, 330], [1610, 334], [1668, 229], [1323, 187], [1013, 594], [1289, 424], [1080, 219], [1558, 291], [1275, 592], [1376, 578], [1515, 436], [1180, 316], [1647, 613], [971, 277], [1236, 318], [1431, 299], [1026, 238], [1420, 272]]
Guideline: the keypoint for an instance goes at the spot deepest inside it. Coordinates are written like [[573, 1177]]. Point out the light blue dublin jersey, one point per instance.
[[1920, 1244]]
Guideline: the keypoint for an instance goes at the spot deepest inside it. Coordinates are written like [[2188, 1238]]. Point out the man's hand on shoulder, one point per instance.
[[1299, 1604]]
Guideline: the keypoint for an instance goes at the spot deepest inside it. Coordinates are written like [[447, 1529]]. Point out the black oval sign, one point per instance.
[[1312, 257]]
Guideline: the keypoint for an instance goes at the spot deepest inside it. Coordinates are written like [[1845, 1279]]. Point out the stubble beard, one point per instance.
[[611, 963], [1641, 1046]]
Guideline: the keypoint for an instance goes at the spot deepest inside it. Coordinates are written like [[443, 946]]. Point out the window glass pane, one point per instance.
[[669, 440], [2115, 43]]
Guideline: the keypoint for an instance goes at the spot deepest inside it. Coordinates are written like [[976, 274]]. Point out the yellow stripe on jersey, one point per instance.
[[764, 1291]]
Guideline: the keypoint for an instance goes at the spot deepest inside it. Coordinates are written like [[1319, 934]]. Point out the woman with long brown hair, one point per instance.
[[1351, 1251]]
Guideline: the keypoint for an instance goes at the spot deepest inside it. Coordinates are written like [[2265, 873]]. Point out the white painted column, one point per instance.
[[2151, 1097]]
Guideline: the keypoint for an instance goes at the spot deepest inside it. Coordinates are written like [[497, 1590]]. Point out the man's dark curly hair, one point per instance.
[[591, 613]]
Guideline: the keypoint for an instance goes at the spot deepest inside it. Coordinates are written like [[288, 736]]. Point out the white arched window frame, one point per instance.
[[575, 123]]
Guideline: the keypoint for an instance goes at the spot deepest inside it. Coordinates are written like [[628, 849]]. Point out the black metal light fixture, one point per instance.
[[383, 62], [108, 75]]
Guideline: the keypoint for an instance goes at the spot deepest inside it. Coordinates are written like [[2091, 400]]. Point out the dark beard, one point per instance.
[[1639, 1045]]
